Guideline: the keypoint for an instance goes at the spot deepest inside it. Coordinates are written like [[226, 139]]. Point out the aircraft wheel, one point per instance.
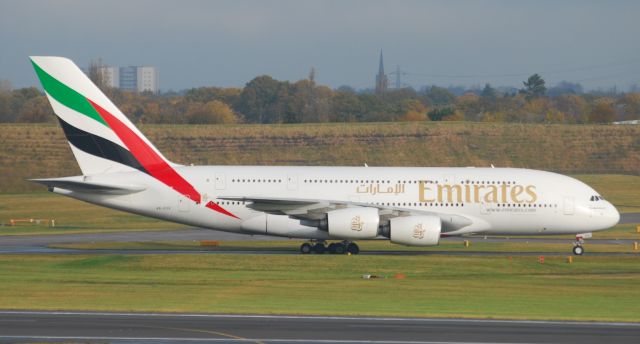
[[339, 248], [578, 250], [353, 248], [305, 248], [319, 248]]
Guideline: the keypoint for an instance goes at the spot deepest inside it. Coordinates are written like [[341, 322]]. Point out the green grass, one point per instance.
[[592, 288], [71, 216], [476, 245]]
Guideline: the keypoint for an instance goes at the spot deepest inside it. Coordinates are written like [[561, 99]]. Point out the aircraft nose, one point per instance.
[[612, 215]]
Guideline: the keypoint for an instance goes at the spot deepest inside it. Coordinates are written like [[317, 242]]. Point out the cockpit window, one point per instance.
[[596, 198]]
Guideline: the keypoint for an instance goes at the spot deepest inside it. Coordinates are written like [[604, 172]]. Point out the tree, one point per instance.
[[574, 106], [441, 114], [347, 107], [36, 110], [534, 87], [213, 112], [488, 92], [261, 99], [602, 111], [470, 105], [96, 73], [415, 111], [536, 110], [5, 108], [631, 106], [439, 96], [205, 94]]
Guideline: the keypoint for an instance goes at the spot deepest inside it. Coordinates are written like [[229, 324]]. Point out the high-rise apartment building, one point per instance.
[[147, 79], [110, 76], [131, 78]]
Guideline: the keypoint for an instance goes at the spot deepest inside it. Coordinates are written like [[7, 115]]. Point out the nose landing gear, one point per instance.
[[578, 250], [319, 247]]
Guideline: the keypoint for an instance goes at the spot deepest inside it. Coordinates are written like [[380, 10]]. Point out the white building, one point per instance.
[[131, 78], [139, 79], [148, 79], [110, 76]]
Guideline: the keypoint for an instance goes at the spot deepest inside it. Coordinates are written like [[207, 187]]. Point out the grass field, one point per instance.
[[592, 288], [477, 244], [36, 151], [71, 216]]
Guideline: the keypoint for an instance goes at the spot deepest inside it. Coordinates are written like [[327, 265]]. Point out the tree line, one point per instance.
[[267, 100]]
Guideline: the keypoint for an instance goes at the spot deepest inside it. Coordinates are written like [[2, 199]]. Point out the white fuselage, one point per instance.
[[497, 200]]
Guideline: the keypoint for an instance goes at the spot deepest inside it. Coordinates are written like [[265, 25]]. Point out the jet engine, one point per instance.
[[353, 223], [415, 230]]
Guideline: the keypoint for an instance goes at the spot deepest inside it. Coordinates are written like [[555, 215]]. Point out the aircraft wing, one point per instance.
[[310, 209]]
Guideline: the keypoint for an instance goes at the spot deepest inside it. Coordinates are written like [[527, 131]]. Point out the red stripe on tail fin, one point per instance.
[[148, 158]]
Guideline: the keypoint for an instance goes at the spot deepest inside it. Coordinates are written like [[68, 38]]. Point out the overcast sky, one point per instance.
[[227, 43]]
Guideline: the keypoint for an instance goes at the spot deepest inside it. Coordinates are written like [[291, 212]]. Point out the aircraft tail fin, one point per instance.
[[102, 138]]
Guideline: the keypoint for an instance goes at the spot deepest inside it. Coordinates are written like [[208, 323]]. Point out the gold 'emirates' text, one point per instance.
[[457, 193]]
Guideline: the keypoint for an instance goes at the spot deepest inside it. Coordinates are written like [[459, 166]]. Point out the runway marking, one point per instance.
[[227, 340], [312, 317], [219, 333]]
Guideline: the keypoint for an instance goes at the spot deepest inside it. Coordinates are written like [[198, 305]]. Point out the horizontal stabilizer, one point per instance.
[[80, 184]]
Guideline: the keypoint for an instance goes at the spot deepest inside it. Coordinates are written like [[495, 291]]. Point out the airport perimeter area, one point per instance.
[[502, 278], [100, 275]]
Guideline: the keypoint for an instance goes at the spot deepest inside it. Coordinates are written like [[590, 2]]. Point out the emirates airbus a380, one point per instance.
[[121, 169]]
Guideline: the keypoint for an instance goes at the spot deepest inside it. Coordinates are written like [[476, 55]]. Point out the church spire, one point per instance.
[[381, 78]]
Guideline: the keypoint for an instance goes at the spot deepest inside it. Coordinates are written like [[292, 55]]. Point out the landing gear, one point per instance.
[[336, 248], [353, 248], [578, 250], [305, 248], [319, 247]]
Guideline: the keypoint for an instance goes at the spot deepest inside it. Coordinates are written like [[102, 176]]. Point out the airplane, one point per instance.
[[413, 206]]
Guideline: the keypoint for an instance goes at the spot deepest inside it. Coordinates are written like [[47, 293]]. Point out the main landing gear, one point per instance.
[[320, 247]]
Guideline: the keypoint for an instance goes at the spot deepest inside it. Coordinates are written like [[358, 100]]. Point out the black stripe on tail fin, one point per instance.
[[100, 147]]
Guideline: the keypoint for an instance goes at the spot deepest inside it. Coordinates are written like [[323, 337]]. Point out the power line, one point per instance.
[[511, 75]]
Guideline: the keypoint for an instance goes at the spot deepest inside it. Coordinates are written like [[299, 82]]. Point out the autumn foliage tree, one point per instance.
[[603, 111], [267, 100]]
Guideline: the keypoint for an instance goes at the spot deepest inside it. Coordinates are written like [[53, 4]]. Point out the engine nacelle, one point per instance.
[[415, 230], [353, 223]]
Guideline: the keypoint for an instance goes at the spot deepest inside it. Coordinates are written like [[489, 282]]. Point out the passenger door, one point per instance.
[[568, 206]]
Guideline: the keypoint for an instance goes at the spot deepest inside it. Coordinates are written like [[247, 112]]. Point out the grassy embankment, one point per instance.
[[35, 151], [592, 288]]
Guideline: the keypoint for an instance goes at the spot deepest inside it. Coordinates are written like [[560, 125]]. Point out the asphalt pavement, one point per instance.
[[17, 327]]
